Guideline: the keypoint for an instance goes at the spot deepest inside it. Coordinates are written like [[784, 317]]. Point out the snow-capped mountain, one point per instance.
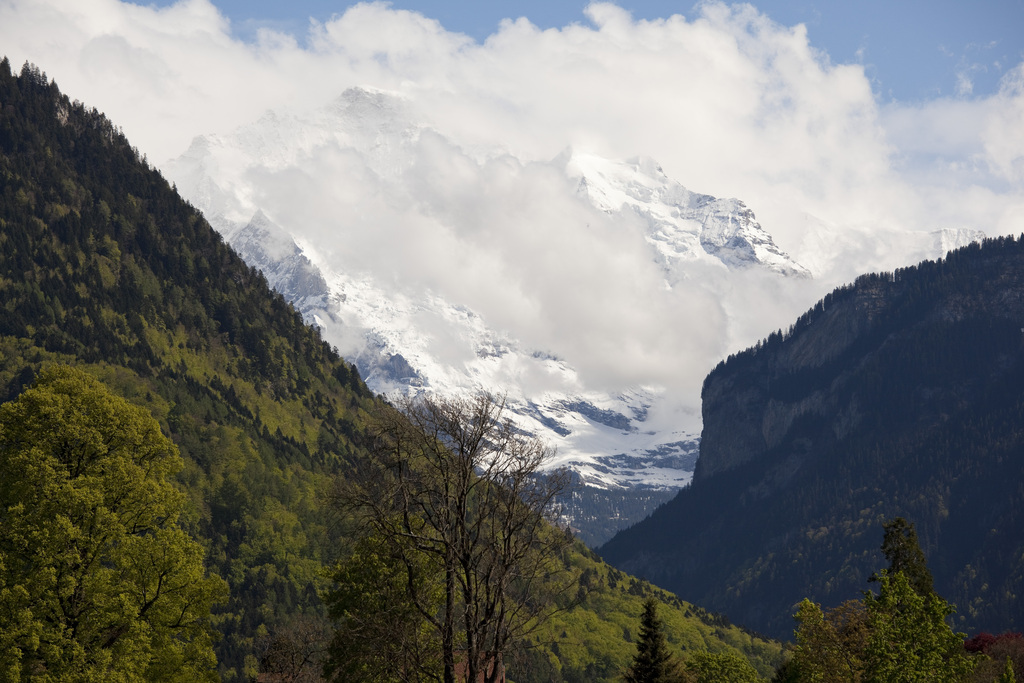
[[392, 337], [438, 268], [681, 225]]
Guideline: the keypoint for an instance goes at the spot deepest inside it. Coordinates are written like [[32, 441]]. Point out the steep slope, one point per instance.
[[103, 266], [902, 394], [633, 442]]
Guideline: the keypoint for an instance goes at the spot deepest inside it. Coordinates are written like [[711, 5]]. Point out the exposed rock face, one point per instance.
[[265, 246], [900, 395], [745, 414], [751, 405], [682, 227]]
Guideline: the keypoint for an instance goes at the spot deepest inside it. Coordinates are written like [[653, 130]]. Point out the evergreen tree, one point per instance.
[[653, 662], [901, 548]]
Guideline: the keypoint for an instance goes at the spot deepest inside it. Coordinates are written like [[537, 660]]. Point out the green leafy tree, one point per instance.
[[1008, 675], [830, 645], [718, 667], [653, 662], [380, 634], [97, 580], [910, 640]]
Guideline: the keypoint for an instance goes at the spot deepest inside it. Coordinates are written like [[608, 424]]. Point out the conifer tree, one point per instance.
[[901, 547], [652, 662]]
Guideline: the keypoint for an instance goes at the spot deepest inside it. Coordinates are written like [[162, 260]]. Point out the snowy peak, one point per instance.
[[948, 239], [263, 244], [681, 225]]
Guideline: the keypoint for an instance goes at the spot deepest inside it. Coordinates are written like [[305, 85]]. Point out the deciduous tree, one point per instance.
[[910, 640], [718, 667], [97, 580], [899, 635], [457, 500], [830, 645]]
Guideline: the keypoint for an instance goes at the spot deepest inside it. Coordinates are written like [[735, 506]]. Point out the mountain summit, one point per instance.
[[681, 225], [593, 293]]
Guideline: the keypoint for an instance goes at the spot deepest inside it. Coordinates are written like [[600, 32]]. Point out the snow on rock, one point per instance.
[[682, 226], [262, 186]]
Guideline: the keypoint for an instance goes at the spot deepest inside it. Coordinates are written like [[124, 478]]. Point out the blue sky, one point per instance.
[[912, 49]]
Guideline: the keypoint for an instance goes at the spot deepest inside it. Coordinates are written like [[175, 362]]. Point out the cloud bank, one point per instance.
[[728, 101]]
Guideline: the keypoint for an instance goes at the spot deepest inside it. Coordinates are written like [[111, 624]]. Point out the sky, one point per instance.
[[849, 129], [911, 49]]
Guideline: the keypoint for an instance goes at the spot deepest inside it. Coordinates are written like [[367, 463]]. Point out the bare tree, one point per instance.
[[295, 651], [457, 490]]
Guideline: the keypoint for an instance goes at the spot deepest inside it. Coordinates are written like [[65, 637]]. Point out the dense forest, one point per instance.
[[104, 269], [901, 395]]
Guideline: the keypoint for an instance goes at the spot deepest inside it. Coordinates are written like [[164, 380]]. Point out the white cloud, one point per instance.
[[729, 103]]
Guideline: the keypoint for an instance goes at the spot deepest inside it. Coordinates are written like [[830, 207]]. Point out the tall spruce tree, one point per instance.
[[901, 547], [653, 663]]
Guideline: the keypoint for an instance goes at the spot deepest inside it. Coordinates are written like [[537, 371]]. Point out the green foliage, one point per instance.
[[830, 647], [910, 640], [718, 667], [97, 580], [104, 267], [453, 490], [1007, 676], [380, 634], [900, 635], [900, 395], [594, 641], [652, 663]]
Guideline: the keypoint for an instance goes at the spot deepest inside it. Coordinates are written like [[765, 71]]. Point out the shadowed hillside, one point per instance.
[[900, 395]]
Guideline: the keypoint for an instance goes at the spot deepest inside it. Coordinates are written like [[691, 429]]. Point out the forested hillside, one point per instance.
[[901, 395], [104, 268]]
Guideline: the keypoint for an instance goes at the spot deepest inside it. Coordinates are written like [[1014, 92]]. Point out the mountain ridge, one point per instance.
[[898, 395], [699, 256]]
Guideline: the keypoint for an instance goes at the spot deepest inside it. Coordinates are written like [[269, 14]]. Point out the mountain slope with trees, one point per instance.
[[901, 395], [105, 269], [103, 266]]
